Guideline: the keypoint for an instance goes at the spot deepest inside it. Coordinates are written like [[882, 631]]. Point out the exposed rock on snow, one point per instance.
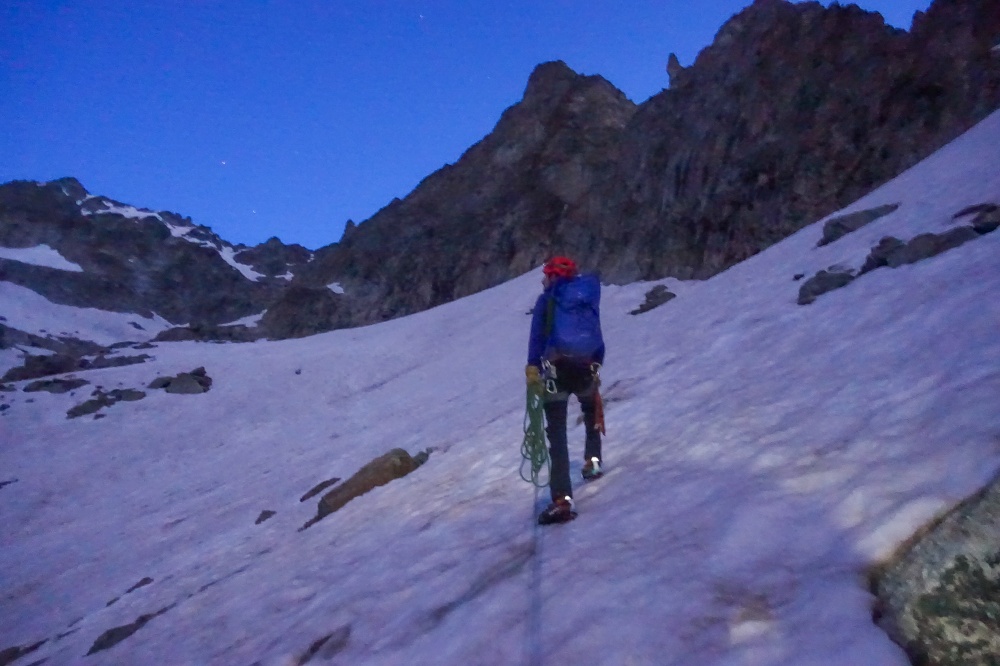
[[318, 488], [940, 598], [655, 297], [823, 282], [395, 464], [116, 635], [142, 583], [56, 385], [56, 364], [102, 399], [893, 253], [194, 382], [842, 225]]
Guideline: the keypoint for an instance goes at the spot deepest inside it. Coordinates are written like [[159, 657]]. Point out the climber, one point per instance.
[[565, 354]]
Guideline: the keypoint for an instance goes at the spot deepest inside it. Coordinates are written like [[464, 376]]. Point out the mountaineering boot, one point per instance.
[[560, 511], [592, 469]]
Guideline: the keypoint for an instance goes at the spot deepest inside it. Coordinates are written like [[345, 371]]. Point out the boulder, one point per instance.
[[55, 385], [395, 464], [189, 383], [655, 297], [821, 283], [893, 252], [842, 225], [939, 597]]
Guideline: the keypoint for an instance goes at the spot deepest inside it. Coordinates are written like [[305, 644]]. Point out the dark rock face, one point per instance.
[[304, 311], [273, 258], [511, 200], [940, 597], [793, 112]]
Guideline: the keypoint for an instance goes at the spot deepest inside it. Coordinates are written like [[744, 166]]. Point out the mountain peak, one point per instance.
[[72, 187], [549, 79]]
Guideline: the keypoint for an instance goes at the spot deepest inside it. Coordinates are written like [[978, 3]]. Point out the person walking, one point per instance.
[[565, 355]]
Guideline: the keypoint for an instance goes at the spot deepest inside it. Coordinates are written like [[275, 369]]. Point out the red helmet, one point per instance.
[[560, 267]]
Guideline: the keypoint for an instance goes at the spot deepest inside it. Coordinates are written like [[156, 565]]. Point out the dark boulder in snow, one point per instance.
[[655, 297], [11, 654], [318, 488], [894, 253], [821, 283], [116, 635], [190, 383], [987, 217], [55, 385], [101, 399], [940, 597], [842, 225], [390, 466]]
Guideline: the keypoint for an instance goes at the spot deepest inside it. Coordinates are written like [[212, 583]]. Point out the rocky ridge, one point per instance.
[[126, 259], [791, 113], [794, 111]]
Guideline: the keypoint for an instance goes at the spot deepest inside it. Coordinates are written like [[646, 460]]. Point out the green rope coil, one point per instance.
[[533, 448]]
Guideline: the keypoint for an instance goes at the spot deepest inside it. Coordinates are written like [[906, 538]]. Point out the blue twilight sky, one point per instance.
[[285, 118]]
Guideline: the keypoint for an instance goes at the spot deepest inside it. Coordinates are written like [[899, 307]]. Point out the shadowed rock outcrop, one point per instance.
[[794, 111]]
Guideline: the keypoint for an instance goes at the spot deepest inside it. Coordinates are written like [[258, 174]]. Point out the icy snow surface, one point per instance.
[[41, 255], [761, 456]]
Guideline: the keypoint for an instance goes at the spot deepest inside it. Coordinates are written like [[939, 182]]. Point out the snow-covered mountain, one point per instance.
[[763, 456], [155, 269]]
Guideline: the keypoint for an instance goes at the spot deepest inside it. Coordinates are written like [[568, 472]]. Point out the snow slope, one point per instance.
[[761, 454]]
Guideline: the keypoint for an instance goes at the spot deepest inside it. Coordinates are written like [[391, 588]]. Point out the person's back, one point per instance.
[[566, 352]]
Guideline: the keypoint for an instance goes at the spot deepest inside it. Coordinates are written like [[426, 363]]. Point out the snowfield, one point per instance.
[[761, 456]]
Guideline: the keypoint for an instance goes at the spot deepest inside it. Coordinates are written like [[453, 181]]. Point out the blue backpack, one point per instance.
[[573, 323]]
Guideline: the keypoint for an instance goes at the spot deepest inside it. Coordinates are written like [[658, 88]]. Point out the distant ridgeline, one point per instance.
[[794, 111]]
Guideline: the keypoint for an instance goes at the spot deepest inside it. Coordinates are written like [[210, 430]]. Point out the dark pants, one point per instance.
[[569, 380]]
